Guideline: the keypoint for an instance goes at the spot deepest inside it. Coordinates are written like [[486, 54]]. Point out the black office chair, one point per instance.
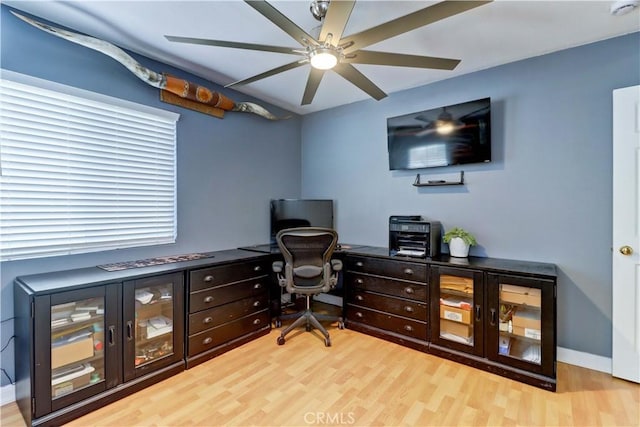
[[307, 270]]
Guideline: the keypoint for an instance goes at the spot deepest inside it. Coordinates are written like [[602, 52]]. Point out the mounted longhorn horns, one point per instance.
[[179, 87]]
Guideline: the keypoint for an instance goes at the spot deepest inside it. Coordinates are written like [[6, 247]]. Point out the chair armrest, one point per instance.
[[277, 266], [336, 264]]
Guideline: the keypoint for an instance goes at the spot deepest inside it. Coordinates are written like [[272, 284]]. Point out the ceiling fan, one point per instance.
[[331, 51]]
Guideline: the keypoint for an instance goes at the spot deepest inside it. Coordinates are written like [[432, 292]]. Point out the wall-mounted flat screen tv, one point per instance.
[[289, 213], [450, 135]]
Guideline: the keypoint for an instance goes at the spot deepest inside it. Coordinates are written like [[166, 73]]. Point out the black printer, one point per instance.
[[413, 236]]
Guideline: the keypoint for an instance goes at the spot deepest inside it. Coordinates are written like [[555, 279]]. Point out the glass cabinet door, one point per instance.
[[456, 309], [77, 330], [520, 322], [153, 323]]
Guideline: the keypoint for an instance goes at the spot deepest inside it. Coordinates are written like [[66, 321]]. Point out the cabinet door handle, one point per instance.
[[478, 312], [359, 281], [408, 328], [257, 286], [112, 335], [129, 330], [257, 303], [256, 322], [408, 271], [208, 278], [492, 318], [207, 340], [408, 309], [208, 299], [207, 320], [257, 268], [359, 315], [359, 264], [408, 290], [359, 297]]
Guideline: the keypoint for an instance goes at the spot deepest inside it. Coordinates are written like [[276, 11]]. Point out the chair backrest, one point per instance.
[[307, 254]]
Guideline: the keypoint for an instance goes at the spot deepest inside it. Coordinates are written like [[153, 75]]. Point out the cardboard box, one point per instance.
[[526, 319], [535, 334], [521, 295], [455, 314], [75, 351], [456, 283], [455, 328], [66, 387]]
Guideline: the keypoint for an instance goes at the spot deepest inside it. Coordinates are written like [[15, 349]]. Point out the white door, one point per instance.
[[626, 234]]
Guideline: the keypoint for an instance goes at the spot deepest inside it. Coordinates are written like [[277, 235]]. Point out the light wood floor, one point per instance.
[[360, 381]]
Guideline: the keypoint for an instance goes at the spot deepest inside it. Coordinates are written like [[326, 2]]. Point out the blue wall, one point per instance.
[[545, 197], [228, 169]]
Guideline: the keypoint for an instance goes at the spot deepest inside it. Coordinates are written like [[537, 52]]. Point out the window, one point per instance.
[[82, 172]]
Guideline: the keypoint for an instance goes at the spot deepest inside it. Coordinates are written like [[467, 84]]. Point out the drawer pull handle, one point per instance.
[[129, 330], [359, 264], [408, 328], [492, 318], [408, 271], [257, 286], [257, 268], [256, 322], [207, 340], [359, 281], [408, 309], [359, 297], [208, 278], [477, 312], [359, 315], [408, 290], [256, 303], [112, 335], [208, 299], [207, 320]]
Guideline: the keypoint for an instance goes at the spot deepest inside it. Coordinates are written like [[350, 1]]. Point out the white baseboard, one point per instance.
[[584, 360], [7, 394]]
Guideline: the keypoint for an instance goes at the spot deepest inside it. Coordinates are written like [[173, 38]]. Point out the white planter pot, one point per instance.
[[458, 248]]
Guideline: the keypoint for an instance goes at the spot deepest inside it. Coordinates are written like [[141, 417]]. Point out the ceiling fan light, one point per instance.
[[323, 59]]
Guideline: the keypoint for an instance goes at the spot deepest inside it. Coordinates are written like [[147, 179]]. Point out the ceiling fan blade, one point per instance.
[[401, 60], [284, 23], [409, 22], [237, 45], [315, 76], [336, 20], [350, 73], [269, 73]]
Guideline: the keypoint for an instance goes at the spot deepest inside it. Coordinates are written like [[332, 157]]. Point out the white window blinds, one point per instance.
[[82, 172]]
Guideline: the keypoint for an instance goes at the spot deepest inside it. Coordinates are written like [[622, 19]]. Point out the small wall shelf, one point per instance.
[[437, 183]]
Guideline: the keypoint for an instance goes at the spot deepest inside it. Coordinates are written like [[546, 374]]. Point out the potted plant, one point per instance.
[[459, 241]]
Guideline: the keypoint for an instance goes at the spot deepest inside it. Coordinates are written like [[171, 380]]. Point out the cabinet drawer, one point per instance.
[[225, 313], [410, 290], [219, 295], [213, 276], [400, 325], [401, 307], [388, 267], [226, 332]]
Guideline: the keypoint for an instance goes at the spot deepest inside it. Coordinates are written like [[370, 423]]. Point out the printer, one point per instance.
[[414, 236]]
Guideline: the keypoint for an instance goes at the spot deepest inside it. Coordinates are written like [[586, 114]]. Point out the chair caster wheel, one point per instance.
[[308, 328], [340, 325], [280, 341], [278, 323], [327, 342]]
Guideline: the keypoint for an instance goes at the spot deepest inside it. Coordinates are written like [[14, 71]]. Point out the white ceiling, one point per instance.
[[484, 37]]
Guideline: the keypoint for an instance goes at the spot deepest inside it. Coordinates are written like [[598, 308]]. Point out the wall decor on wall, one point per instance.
[[173, 90]]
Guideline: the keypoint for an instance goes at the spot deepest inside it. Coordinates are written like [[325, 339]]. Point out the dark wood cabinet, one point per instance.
[[85, 346], [228, 306], [520, 322], [388, 299], [457, 309]]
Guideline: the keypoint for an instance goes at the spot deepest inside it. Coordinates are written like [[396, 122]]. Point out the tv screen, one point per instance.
[[451, 135], [289, 213]]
